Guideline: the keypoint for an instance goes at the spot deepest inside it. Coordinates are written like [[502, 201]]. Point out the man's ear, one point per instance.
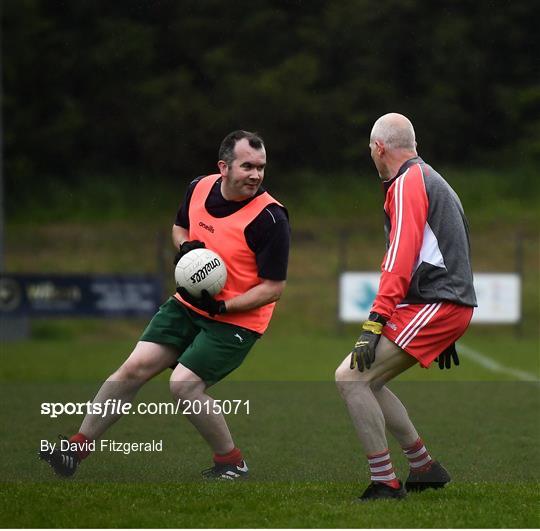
[[223, 168], [380, 147]]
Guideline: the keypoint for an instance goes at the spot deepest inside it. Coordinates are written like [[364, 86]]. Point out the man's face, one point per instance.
[[243, 177]]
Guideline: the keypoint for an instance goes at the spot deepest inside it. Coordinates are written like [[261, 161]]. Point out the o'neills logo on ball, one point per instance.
[[204, 271]]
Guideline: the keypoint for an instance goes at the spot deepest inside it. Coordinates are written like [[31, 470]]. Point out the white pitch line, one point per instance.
[[491, 365]]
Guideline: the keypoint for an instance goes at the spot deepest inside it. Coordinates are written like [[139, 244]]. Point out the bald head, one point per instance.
[[392, 142], [395, 131]]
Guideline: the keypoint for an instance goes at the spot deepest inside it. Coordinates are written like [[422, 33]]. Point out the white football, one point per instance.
[[201, 269]]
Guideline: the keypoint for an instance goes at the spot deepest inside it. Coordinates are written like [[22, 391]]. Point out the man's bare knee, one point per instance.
[[146, 360], [390, 361], [183, 390], [185, 384], [131, 371], [350, 380], [343, 374]]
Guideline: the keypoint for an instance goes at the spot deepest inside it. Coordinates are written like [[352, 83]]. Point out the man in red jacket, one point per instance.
[[204, 339], [423, 306]]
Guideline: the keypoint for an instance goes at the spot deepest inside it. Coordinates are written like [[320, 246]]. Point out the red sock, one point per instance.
[[418, 456], [83, 443], [382, 470], [234, 457]]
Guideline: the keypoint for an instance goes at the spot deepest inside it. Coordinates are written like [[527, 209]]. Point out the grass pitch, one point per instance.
[[307, 466], [260, 505]]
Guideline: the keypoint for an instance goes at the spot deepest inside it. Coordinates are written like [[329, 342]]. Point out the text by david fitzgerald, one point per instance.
[[104, 445]]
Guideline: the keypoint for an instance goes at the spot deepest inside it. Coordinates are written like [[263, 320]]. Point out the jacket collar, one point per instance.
[[404, 167]]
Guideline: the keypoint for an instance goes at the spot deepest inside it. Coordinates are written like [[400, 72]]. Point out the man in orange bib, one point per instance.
[[205, 339]]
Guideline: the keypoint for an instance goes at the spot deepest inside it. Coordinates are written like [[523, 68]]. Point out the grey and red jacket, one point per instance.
[[427, 255]]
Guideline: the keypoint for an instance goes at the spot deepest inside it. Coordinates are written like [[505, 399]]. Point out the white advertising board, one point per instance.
[[498, 294]]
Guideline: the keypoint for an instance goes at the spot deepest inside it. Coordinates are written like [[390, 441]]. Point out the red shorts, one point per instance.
[[425, 330]]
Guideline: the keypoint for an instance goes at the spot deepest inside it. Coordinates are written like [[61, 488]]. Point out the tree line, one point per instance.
[[135, 87]]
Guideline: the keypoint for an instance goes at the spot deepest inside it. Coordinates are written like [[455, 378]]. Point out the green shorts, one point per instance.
[[209, 348]]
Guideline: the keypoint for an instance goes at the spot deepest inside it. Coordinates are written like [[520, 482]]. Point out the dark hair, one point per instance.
[[226, 150]]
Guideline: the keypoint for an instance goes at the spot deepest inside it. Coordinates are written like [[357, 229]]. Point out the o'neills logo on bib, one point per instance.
[[204, 271], [207, 227]]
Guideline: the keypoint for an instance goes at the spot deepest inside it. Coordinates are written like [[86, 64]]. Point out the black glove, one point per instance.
[[446, 357], [363, 353], [206, 303], [186, 247]]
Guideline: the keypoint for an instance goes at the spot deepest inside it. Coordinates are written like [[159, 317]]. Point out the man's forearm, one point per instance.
[[179, 235], [259, 295]]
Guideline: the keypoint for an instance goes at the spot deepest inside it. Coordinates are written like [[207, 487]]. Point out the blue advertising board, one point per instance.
[[79, 295]]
